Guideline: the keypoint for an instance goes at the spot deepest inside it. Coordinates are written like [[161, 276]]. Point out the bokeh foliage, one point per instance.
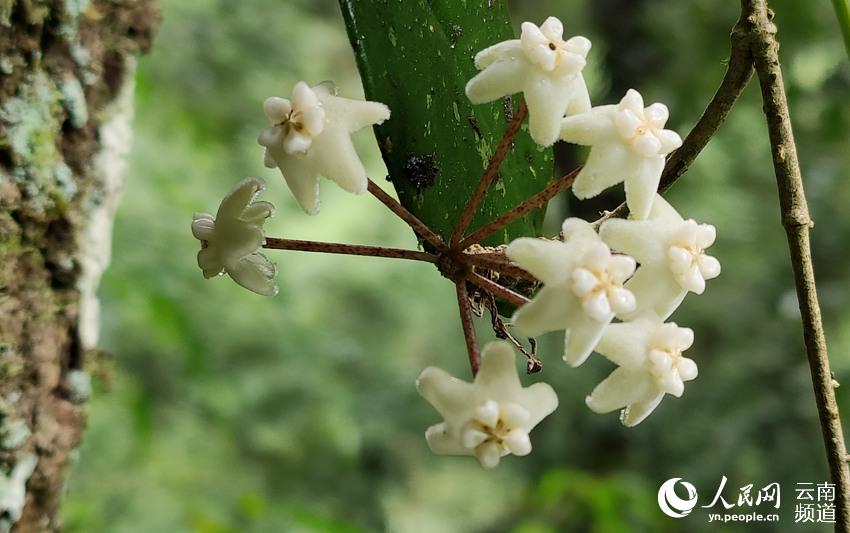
[[230, 412]]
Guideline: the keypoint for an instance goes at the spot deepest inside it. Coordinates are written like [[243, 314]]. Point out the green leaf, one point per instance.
[[416, 56]]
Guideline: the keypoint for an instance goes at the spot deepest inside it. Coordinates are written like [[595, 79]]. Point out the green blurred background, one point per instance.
[[230, 412]]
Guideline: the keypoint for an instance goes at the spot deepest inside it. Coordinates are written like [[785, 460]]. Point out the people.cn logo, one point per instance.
[[671, 504]]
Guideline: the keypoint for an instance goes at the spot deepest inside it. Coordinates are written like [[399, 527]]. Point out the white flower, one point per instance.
[[628, 144], [649, 355], [490, 417], [310, 137], [229, 242], [671, 253], [583, 287], [541, 65]]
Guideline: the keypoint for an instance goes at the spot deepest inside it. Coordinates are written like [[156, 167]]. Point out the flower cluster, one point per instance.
[[589, 279], [609, 291]]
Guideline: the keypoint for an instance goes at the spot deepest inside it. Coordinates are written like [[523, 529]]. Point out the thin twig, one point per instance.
[[500, 292], [796, 220], [490, 174], [530, 204], [498, 263], [533, 364], [412, 220], [347, 249], [468, 327], [738, 73]]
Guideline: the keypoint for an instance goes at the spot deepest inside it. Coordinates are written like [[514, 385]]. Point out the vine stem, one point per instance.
[[500, 292], [739, 70], [412, 220], [274, 243], [490, 174], [796, 221], [468, 326], [533, 202]]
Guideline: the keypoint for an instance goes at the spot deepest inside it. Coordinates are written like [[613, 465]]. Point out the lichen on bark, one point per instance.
[[65, 97]]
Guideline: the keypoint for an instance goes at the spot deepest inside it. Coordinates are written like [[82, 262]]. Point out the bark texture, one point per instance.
[[66, 71]]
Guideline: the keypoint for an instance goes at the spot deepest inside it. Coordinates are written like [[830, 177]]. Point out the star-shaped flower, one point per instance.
[[490, 417], [671, 253], [628, 144], [230, 241], [649, 354], [542, 66], [310, 137], [583, 287]]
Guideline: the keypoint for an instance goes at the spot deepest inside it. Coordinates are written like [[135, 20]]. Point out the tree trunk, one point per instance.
[[66, 84]]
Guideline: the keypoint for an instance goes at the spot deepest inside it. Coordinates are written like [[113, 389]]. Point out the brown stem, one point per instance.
[[468, 326], [738, 73], [417, 225], [347, 249], [490, 174], [530, 204], [500, 292], [795, 219], [498, 263]]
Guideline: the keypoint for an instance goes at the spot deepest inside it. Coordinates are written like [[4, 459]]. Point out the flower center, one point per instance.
[[496, 429], [601, 293]]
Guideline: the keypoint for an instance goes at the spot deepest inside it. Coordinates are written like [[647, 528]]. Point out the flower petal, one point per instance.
[[488, 455], [334, 156], [277, 109], [505, 50], [547, 102], [578, 45], [590, 128], [203, 226], [518, 443], [487, 413], [354, 115], [303, 97], [238, 198], [497, 375], [641, 186], [709, 266], [514, 415], [637, 412], [633, 102], [606, 166], [641, 239], [257, 212], [625, 343], [451, 397], [550, 261], [302, 177], [553, 29], [687, 369], [553, 308], [670, 140], [296, 142], [256, 273], [581, 337], [440, 440], [499, 79], [655, 290], [657, 115], [621, 388]]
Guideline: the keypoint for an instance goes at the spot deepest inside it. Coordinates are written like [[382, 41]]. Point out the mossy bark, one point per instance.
[[66, 70]]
